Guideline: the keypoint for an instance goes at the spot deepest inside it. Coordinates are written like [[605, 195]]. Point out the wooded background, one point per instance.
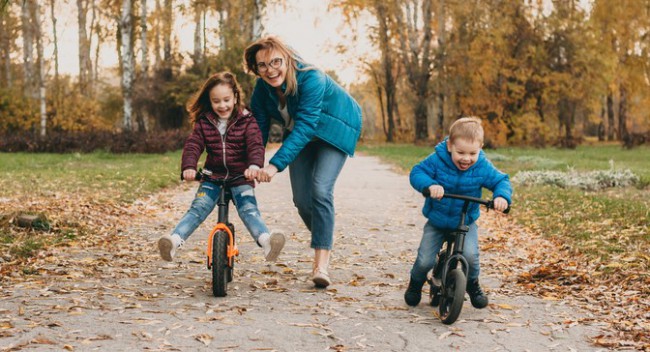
[[537, 72]]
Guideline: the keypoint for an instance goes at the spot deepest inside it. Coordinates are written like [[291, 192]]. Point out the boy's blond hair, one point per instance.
[[467, 128]]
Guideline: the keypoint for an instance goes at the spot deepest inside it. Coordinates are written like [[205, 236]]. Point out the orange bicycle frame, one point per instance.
[[232, 249]]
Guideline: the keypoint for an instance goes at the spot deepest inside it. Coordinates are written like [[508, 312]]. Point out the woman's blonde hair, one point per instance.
[[271, 43], [467, 128], [199, 103]]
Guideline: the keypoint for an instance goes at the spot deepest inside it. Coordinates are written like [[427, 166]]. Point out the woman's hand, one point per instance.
[[189, 175], [267, 173], [436, 191], [500, 204]]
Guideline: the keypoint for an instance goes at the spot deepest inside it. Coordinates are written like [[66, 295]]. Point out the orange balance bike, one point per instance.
[[222, 249]]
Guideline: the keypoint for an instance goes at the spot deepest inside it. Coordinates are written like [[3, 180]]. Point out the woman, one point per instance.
[[322, 124]]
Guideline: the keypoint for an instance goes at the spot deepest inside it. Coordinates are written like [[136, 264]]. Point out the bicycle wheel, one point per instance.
[[453, 296], [220, 264]]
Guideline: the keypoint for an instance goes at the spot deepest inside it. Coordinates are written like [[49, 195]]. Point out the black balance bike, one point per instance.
[[449, 279], [222, 248]]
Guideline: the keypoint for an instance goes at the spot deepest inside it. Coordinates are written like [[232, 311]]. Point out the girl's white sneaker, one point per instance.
[[167, 245]]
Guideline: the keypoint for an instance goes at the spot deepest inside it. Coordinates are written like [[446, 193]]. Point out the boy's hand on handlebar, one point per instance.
[[436, 191], [500, 204], [189, 175]]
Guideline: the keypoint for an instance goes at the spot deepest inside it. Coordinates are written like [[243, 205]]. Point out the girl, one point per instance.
[[232, 139], [322, 124]]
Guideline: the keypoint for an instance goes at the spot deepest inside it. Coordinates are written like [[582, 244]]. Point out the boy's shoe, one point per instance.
[[272, 245], [413, 293], [167, 245], [476, 295]]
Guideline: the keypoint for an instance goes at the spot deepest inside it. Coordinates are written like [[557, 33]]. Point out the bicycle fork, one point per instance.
[[232, 249]]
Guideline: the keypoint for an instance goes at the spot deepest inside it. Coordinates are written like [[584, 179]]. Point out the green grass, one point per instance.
[[51, 180], [512, 160], [600, 224], [120, 177]]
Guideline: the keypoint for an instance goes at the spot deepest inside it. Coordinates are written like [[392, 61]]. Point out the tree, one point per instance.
[[144, 61], [41, 68], [85, 64], [8, 31], [384, 37], [128, 62], [28, 47], [416, 51]]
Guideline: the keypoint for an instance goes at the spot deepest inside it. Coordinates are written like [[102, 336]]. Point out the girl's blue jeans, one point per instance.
[[205, 201], [313, 174], [432, 240]]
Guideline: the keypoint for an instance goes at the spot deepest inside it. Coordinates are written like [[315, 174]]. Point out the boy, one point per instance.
[[458, 166]]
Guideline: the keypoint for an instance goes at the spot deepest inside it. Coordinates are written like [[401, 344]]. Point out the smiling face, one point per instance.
[[222, 100], [271, 75], [464, 152]]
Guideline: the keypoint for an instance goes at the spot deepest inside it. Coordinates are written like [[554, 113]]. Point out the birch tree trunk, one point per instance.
[[439, 128], [198, 31], [128, 62], [28, 48], [258, 28], [55, 41], [167, 19], [156, 37], [143, 38], [41, 67]]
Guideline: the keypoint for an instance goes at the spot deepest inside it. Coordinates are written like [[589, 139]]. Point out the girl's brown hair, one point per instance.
[[467, 128], [291, 58], [199, 103]]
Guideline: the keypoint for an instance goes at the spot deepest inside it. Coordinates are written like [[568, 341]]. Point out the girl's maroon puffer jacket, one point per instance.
[[228, 155]]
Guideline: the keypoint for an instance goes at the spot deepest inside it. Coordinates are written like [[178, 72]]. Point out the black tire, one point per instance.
[[220, 264], [434, 296], [451, 302]]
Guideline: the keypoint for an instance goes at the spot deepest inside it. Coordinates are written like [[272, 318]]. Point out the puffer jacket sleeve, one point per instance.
[[258, 106], [194, 146], [423, 174], [311, 91], [498, 182], [254, 145]]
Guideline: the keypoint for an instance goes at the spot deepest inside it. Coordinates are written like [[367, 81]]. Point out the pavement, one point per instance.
[[123, 297]]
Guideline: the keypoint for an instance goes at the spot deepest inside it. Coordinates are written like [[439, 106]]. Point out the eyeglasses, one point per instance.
[[274, 63]]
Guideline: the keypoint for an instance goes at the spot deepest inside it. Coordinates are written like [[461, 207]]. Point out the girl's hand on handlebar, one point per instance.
[[436, 191], [189, 175], [251, 173], [500, 204], [267, 173]]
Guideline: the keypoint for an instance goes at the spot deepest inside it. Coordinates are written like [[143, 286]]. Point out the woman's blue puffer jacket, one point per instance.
[[320, 109]]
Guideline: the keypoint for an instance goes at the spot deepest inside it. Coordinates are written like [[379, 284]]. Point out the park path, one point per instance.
[[122, 297]]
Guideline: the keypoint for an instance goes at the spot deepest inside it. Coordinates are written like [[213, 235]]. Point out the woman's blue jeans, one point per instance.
[[432, 240], [205, 201], [313, 174]]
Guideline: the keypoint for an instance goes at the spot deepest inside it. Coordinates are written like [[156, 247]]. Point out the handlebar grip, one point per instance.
[[197, 177]]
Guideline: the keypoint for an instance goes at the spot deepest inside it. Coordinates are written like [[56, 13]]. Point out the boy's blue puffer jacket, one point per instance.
[[321, 108], [439, 169]]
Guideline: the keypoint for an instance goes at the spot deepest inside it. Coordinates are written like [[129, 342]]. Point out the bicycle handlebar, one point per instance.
[[205, 174], [488, 203]]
